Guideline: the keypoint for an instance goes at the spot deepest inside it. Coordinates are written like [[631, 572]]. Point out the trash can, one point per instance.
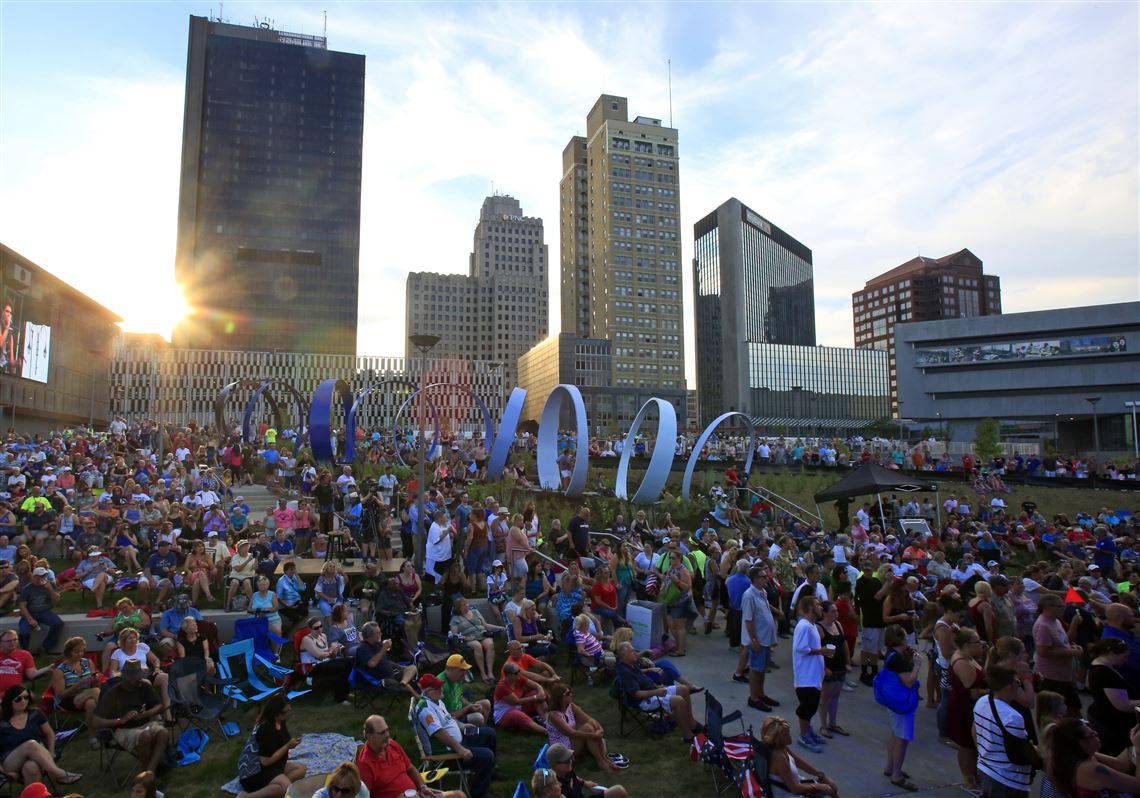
[[647, 618]]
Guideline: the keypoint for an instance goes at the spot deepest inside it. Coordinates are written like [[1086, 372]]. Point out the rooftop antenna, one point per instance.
[[670, 66]]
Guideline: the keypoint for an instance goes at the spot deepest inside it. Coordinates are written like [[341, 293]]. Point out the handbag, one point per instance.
[[891, 693], [1018, 750]]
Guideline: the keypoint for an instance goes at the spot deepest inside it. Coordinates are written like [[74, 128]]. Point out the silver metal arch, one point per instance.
[[660, 462], [700, 444]]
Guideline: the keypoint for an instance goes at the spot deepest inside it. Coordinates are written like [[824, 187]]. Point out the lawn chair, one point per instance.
[[541, 761], [722, 756], [521, 791], [366, 691], [762, 770], [192, 704], [256, 628], [237, 671], [109, 753], [430, 761], [653, 722], [581, 666], [61, 718]]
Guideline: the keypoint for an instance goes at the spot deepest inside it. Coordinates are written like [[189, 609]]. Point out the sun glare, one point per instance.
[[154, 309]]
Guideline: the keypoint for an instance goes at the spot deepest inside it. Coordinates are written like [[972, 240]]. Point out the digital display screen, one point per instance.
[[36, 352]]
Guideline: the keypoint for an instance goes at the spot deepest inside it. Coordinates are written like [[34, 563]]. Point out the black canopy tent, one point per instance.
[[871, 478]]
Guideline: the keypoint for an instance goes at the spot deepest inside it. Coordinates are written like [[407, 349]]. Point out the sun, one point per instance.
[[154, 308]]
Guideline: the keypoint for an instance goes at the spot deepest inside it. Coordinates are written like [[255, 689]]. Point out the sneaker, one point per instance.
[[848, 687], [818, 740], [810, 744], [740, 678]]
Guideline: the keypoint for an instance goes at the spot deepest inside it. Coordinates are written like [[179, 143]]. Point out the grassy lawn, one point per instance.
[[655, 761]]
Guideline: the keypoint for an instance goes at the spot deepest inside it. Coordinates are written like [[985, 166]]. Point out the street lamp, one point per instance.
[[941, 429], [424, 343], [498, 367], [1135, 439], [900, 404], [1092, 400]]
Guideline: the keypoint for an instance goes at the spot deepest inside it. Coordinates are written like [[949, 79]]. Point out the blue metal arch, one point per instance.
[[547, 454], [320, 420], [224, 424], [488, 423], [434, 420], [302, 411], [700, 444], [353, 411], [660, 462], [508, 426]]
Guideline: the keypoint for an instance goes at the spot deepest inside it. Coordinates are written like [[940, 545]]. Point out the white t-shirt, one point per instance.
[[1032, 589], [435, 718], [807, 669], [992, 757], [438, 544], [820, 593], [120, 657]]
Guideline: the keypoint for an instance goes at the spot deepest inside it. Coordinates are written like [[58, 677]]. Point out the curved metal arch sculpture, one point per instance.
[[320, 420], [352, 412], [435, 414], [302, 411], [660, 462], [508, 426], [547, 454], [700, 445], [223, 398]]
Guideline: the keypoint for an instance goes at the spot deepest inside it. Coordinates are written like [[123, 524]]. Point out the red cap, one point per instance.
[[428, 681], [35, 790]]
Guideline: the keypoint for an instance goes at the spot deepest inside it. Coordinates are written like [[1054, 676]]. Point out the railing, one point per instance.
[[549, 559], [781, 503]]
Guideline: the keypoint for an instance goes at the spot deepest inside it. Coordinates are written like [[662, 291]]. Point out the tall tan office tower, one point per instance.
[[621, 250]]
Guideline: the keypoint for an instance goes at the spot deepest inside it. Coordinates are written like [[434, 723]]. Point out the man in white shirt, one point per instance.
[[345, 481], [951, 504], [807, 670], [181, 453], [757, 636], [438, 546], [205, 498]]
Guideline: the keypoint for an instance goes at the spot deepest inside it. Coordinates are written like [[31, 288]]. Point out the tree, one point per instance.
[[986, 445]]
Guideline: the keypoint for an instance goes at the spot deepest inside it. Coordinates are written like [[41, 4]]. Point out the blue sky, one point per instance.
[[871, 132]]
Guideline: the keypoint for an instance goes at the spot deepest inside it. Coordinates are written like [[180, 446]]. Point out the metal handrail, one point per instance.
[[772, 496], [548, 558]]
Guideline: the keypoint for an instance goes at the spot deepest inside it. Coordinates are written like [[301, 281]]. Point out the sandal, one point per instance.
[[826, 733], [904, 774], [69, 778], [905, 784], [839, 730]]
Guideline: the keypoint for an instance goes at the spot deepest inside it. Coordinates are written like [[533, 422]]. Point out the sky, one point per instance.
[[871, 132]]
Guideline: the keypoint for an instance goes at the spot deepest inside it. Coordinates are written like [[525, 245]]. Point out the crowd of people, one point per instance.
[[1005, 616]]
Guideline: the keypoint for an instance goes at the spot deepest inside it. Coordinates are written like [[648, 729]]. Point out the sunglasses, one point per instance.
[[317, 626], [334, 789], [23, 697]]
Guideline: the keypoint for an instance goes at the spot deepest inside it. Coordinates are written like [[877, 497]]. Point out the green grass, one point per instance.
[[655, 761]]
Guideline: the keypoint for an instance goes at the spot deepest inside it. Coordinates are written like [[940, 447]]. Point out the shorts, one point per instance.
[[871, 640], [808, 698], [655, 702], [90, 583], [680, 609], [128, 739], [758, 660], [519, 569], [902, 726]]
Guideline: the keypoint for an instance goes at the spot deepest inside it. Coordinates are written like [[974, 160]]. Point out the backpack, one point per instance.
[[891, 693]]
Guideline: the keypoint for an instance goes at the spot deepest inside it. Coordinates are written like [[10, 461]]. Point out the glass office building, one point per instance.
[[753, 285], [269, 202], [817, 389]]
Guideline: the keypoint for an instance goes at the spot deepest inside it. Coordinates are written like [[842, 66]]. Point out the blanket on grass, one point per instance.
[[320, 753]]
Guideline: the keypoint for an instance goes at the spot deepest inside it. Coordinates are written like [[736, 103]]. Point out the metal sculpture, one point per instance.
[[547, 454], [660, 461], [686, 481]]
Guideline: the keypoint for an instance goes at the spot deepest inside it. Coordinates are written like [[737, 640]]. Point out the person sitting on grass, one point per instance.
[[344, 782], [385, 768], [130, 709], [639, 690], [561, 761], [568, 724], [264, 768], [588, 646], [536, 670], [454, 678], [517, 700], [788, 766]]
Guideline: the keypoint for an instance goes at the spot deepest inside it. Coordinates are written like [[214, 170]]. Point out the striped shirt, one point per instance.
[[992, 758]]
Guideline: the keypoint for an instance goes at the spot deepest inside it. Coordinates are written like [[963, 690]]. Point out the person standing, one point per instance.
[[995, 716], [737, 585], [757, 636], [869, 595], [906, 663], [807, 670], [1056, 656]]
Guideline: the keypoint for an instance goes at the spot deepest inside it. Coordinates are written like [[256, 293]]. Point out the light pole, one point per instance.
[[424, 343], [1135, 438], [498, 367], [1056, 433], [941, 429], [1092, 400], [900, 404]]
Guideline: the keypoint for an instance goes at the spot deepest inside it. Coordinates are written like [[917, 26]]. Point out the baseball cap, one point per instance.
[[132, 667], [558, 754], [665, 540], [1001, 580], [213, 533], [35, 790], [1093, 567], [992, 564], [41, 571], [94, 551], [496, 563], [457, 661], [427, 681]]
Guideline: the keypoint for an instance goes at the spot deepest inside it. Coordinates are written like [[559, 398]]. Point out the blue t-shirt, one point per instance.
[[737, 585], [281, 548], [271, 456], [1105, 554], [173, 617], [161, 566]]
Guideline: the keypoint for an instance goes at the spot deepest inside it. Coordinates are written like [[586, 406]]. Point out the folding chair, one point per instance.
[[541, 761], [521, 791], [580, 665], [191, 703], [762, 769], [427, 758], [721, 754], [109, 752], [631, 713], [237, 669], [366, 691], [256, 628]]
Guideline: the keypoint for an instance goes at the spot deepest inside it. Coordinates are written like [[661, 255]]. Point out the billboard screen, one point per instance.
[[36, 352]]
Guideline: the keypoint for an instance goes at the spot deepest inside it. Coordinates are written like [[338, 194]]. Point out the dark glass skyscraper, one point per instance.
[[269, 204], [753, 285]]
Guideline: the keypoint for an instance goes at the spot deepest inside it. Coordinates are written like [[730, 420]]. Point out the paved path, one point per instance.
[[855, 762]]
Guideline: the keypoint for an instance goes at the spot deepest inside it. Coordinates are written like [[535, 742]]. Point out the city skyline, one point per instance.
[[875, 132]]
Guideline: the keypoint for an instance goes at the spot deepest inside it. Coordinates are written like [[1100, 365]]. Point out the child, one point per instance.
[[497, 589]]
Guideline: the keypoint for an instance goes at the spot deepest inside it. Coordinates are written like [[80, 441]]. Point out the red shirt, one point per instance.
[[385, 775], [524, 661], [603, 593], [13, 667], [519, 690]]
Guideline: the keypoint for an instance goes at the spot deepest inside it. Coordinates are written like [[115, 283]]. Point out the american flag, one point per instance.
[[748, 783]]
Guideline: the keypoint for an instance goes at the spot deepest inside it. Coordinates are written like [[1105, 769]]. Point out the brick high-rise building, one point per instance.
[[621, 249], [922, 289], [269, 202]]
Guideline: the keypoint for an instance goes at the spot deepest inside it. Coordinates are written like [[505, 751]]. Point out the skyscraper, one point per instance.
[[621, 253], [754, 284], [922, 289], [269, 202], [499, 310]]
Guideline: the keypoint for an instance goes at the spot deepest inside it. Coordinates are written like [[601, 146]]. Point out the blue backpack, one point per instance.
[[891, 693]]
